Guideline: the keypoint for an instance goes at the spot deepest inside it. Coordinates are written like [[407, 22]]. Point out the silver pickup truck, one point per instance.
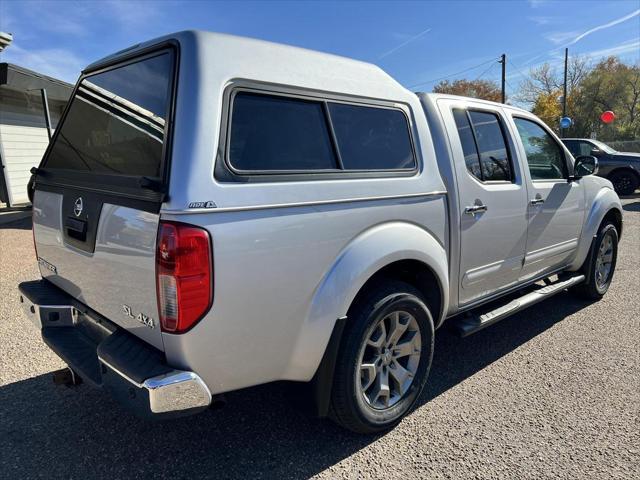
[[217, 212]]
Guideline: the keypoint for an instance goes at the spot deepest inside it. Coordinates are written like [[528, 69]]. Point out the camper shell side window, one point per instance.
[[273, 135]]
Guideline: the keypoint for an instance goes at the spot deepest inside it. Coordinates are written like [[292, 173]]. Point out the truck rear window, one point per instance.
[[116, 122]]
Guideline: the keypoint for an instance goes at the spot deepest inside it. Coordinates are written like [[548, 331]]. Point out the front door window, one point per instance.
[[544, 156]]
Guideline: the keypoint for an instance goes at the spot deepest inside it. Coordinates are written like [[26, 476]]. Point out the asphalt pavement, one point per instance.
[[552, 392]]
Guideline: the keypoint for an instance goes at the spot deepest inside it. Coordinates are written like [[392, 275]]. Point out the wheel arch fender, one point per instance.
[[604, 203], [365, 255]]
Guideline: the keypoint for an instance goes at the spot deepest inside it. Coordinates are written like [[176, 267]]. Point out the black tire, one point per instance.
[[625, 182], [592, 288], [349, 407]]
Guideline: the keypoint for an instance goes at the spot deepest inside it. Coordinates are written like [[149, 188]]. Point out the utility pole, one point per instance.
[[564, 88], [503, 61]]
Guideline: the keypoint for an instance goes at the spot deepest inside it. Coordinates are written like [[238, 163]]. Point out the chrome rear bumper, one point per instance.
[[108, 357], [171, 392]]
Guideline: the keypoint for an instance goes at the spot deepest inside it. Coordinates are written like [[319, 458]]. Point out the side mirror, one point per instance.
[[585, 165], [596, 152]]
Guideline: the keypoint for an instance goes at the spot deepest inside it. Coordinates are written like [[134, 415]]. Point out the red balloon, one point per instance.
[[608, 116]]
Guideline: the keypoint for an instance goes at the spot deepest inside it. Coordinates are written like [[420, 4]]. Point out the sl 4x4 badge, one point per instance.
[[141, 317], [208, 204], [44, 264]]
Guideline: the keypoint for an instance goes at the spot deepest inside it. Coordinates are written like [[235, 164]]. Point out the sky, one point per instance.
[[418, 43]]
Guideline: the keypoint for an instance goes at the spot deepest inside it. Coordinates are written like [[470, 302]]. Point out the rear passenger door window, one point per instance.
[[494, 157], [545, 157], [484, 146], [469, 149]]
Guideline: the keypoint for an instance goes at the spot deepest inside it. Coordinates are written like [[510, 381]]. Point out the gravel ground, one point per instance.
[[553, 392]]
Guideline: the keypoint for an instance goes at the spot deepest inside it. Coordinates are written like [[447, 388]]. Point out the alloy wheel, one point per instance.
[[604, 261], [389, 359], [623, 184]]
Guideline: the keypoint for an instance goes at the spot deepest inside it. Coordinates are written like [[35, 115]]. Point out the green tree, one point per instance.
[[591, 90], [610, 85]]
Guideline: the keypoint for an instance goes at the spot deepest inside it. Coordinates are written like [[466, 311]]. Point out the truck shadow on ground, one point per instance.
[[15, 222], [80, 433]]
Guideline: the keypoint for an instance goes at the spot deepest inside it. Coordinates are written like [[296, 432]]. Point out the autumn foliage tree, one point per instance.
[[610, 85], [545, 80], [547, 107], [591, 90], [483, 89]]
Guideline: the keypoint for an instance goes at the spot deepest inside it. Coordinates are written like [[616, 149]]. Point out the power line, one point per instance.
[[509, 85], [479, 76], [451, 75], [518, 69]]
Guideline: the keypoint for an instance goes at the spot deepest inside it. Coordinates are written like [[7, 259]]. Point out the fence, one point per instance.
[[625, 145]]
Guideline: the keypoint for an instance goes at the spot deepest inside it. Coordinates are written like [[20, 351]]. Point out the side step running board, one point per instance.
[[469, 325]]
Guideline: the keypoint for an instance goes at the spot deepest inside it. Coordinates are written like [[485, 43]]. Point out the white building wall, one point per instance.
[[22, 148], [23, 138]]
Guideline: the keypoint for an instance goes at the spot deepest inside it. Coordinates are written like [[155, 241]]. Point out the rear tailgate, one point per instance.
[[99, 191]]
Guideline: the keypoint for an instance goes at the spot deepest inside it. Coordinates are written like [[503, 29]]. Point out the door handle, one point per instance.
[[472, 210], [76, 228], [536, 201]]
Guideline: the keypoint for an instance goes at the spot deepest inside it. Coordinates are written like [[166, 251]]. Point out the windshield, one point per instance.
[[603, 146], [116, 122]]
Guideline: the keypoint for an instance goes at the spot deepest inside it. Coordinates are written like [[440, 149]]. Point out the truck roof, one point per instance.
[[435, 96], [231, 55]]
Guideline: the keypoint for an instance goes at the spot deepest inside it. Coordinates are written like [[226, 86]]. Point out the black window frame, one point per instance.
[[505, 138], [120, 188], [224, 171], [568, 167]]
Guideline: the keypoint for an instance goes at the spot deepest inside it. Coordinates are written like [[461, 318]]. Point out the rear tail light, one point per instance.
[[184, 275]]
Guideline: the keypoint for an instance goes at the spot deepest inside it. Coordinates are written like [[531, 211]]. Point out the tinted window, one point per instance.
[[116, 121], [544, 155], [494, 158], [471, 158], [578, 148], [573, 147], [602, 146], [483, 145], [279, 133], [371, 138], [584, 148]]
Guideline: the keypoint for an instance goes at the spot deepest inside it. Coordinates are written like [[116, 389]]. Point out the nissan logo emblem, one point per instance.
[[77, 207]]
